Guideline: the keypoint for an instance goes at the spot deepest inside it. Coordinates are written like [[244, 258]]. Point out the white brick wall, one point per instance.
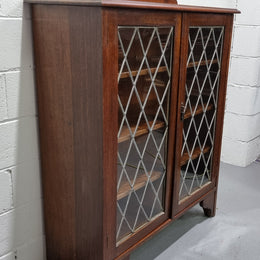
[[214, 3], [3, 105], [244, 71], [251, 94], [6, 191], [21, 225], [241, 142]]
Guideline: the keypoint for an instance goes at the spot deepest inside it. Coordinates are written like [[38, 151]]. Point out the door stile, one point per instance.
[[163, 19], [110, 90], [190, 20]]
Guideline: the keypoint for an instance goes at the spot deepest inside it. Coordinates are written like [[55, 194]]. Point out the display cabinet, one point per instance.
[[131, 100]]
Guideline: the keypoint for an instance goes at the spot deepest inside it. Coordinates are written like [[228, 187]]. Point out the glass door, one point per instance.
[[202, 87], [144, 87], [200, 107]]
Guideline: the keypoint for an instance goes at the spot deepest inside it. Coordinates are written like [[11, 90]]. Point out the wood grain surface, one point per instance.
[[149, 4], [69, 86], [76, 58]]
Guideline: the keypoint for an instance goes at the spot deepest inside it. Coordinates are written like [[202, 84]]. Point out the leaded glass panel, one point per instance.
[[144, 81], [200, 106]]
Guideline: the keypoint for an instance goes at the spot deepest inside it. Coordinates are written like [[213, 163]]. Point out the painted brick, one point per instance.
[[15, 44], [6, 193], [7, 227], [245, 71], [34, 250], [240, 153], [9, 256], [246, 41], [3, 103], [250, 12], [242, 125], [241, 128], [26, 11], [11, 8], [20, 93], [253, 151], [29, 222], [20, 225], [216, 3], [18, 142], [243, 100], [26, 175]]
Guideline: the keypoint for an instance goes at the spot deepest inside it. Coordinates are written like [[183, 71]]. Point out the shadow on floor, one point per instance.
[[164, 239]]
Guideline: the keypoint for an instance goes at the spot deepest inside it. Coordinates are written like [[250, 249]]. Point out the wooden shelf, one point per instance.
[[199, 110], [142, 72], [196, 153], [203, 63], [142, 129], [195, 92], [140, 182]]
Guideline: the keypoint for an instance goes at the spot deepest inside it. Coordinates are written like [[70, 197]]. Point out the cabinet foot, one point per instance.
[[209, 205]]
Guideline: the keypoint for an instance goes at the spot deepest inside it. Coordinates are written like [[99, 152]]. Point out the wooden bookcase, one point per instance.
[[131, 100]]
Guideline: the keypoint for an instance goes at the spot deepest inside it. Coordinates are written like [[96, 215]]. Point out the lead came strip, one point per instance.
[[144, 178], [201, 106]]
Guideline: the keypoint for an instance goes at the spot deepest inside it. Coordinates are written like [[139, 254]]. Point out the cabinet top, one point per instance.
[[148, 4]]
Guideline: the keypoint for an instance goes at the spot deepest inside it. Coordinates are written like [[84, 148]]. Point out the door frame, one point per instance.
[[200, 19], [112, 18]]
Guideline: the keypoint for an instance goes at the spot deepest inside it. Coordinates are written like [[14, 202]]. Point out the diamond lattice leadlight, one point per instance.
[[201, 89], [144, 80]]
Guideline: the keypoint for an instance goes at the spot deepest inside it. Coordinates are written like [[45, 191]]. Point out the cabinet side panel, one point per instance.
[[51, 30], [86, 69]]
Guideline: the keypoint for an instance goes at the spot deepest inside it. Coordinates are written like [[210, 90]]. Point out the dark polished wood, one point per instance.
[[208, 205], [87, 91], [54, 89], [126, 257], [149, 4], [198, 111], [200, 20], [148, 18], [65, 2], [196, 153], [167, 7], [110, 117], [195, 202], [88, 2], [76, 57], [222, 102], [142, 241], [141, 130], [70, 99]]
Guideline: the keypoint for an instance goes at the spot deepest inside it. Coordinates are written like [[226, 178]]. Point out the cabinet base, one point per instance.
[[209, 205]]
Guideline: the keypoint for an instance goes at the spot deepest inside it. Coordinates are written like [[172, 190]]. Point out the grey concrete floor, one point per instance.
[[233, 234]]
